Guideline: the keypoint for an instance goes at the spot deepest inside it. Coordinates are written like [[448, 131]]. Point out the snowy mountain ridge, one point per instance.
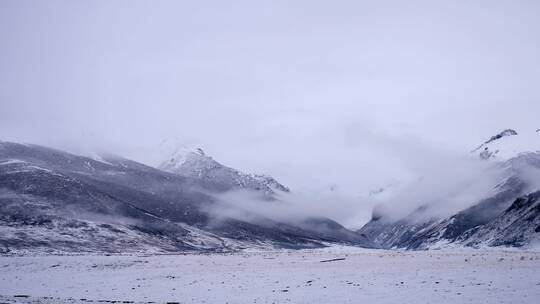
[[508, 144], [194, 162]]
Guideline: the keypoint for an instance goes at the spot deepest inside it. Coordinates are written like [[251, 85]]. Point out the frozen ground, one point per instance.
[[331, 275]]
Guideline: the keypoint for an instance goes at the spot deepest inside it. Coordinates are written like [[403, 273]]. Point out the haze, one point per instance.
[[348, 95]]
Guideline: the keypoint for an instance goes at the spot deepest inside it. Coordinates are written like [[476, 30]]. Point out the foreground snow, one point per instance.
[[331, 275]]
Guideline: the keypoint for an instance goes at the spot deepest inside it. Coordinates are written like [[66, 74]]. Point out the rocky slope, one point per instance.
[[518, 225]]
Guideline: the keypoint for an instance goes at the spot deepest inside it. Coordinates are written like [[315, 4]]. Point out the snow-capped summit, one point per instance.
[[184, 156], [174, 152], [194, 162], [508, 144]]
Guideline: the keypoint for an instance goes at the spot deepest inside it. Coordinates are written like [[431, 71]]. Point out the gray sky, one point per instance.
[[312, 92]]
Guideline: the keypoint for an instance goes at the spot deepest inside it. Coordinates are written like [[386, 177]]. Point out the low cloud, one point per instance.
[[289, 208], [442, 181]]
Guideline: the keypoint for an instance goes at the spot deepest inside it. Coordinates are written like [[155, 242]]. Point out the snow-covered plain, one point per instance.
[[330, 275]]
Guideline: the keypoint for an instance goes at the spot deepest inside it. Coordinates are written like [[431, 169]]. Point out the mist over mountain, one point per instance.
[[353, 113], [306, 151], [508, 196], [53, 201], [195, 163]]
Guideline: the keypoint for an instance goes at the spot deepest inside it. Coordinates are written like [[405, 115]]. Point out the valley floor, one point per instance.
[[330, 275]]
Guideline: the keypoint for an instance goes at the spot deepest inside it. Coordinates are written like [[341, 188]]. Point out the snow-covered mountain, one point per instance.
[[482, 223], [518, 225], [195, 163], [508, 144], [54, 201]]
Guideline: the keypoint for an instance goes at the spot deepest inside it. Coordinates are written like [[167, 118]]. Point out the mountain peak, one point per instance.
[[508, 144], [182, 156], [174, 153], [194, 162], [507, 132]]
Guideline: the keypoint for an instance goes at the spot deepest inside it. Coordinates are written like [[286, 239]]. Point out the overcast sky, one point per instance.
[[313, 92]]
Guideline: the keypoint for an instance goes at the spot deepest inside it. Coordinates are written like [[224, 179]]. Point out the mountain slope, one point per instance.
[[195, 163], [53, 201], [419, 230], [519, 225]]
